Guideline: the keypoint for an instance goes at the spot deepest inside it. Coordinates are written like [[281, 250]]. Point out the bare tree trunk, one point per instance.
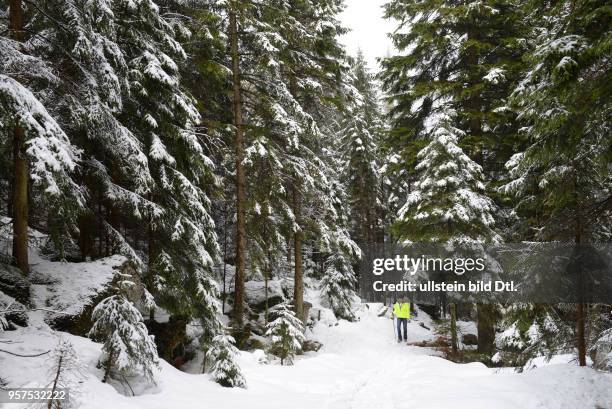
[[486, 328], [580, 308], [453, 327], [298, 285], [580, 331], [224, 295], [16, 20], [57, 375], [20, 164], [20, 200], [240, 177], [289, 250], [152, 255], [267, 275], [108, 365]]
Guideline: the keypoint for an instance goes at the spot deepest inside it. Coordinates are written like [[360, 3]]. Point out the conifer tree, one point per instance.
[[43, 159], [448, 204], [224, 370], [359, 148], [280, 51], [127, 346], [337, 286], [286, 333], [465, 56], [563, 171]]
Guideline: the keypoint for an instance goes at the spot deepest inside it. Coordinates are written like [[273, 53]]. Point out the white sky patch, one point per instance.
[[368, 30]]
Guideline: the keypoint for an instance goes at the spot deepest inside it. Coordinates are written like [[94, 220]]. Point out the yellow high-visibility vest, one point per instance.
[[401, 310]]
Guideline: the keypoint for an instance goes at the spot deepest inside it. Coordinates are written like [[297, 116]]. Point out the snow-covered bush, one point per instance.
[[224, 370], [534, 331], [603, 350], [128, 347], [286, 333], [337, 287]]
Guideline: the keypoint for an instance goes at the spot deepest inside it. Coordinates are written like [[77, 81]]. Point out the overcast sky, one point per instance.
[[368, 29]]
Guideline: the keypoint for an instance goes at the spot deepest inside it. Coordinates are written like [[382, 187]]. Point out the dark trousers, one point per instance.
[[402, 322]]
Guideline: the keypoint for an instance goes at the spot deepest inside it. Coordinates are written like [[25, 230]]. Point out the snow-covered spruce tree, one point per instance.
[[30, 134], [360, 138], [86, 99], [464, 52], [448, 203], [318, 197], [465, 55], [286, 333], [224, 369], [563, 172], [337, 286], [128, 348], [279, 51]]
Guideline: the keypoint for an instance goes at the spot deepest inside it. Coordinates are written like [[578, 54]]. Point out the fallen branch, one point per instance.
[[33, 309], [25, 356]]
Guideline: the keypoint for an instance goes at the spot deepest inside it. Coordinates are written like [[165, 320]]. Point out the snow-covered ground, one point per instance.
[[361, 366]]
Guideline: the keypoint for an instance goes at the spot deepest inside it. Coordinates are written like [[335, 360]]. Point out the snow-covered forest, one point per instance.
[[187, 188]]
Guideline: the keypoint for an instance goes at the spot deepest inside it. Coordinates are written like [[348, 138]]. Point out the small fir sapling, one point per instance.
[[127, 346], [225, 371], [286, 333], [337, 286], [66, 372]]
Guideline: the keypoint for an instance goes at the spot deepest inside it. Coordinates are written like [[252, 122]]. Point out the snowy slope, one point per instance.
[[360, 366], [69, 287]]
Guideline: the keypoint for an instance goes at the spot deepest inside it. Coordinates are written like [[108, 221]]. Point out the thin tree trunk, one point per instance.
[[54, 387], [580, 333], [108, 366], [152, 254], [20, 164], [298, 285], [267, 275], [224, 295], [581, 307], [204, 359], [289, 251], [101, 230], [453, 327], [240, 177]]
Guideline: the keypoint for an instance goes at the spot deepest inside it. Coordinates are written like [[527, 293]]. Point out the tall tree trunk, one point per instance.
[[152, 255], [20, 164], [267, 275], [486, 328], [581, 307], [240, 182], [87, 224], [224, 295], [298, 285], [20, 200], [16, 20], [580, 333], [453, 327]]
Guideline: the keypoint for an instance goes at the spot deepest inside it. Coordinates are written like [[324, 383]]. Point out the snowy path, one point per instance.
[[360, 367]]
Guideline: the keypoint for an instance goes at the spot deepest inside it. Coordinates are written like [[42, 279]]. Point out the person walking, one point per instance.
[[401, 310]]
